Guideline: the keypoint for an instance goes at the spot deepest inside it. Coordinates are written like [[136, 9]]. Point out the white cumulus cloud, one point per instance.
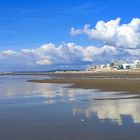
[[7, 53], [114, 33], [119, 42], [64, 54]]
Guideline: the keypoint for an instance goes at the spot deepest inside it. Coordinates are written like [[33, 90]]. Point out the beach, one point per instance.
[[128, 82]]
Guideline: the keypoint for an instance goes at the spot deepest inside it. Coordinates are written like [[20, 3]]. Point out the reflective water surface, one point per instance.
[[33, 111]]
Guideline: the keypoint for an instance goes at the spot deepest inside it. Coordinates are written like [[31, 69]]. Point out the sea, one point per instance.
[[44, 111]]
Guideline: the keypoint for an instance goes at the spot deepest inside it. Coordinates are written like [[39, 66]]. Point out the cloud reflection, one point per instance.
[[112, 110], [13, 88]]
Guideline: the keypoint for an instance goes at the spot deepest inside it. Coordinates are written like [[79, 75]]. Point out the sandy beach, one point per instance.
[[117, 81]]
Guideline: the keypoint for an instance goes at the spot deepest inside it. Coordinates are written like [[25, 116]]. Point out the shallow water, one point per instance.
[[40, 111]]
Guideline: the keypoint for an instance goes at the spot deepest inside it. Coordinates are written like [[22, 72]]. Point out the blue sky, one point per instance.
[[29, 24]]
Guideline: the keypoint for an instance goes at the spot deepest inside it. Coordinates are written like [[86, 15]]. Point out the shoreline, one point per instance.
[[128, 83]]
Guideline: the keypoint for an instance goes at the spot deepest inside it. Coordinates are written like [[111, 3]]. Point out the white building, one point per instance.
[[120, 65]]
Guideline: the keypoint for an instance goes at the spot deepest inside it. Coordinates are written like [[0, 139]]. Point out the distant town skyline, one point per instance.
[[53, 34]]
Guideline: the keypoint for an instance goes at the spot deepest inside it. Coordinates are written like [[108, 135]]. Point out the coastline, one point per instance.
[[124, 82]]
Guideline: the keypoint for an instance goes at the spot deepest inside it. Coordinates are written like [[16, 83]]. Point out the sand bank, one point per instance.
[[126, 82]]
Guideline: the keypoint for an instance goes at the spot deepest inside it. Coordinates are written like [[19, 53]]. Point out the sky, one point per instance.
[[60, 34]]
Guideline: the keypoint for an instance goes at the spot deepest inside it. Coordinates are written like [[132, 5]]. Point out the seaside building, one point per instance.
[[126, 66], [101, 67], [138, 65], [120, 65]]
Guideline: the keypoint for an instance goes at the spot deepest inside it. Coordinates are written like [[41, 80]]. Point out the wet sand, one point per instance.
[[127, 82]]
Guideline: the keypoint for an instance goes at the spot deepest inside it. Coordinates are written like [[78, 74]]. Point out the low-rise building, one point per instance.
[[120, 65]]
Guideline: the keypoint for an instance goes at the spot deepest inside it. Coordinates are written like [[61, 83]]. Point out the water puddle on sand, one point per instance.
[[50, 111]]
